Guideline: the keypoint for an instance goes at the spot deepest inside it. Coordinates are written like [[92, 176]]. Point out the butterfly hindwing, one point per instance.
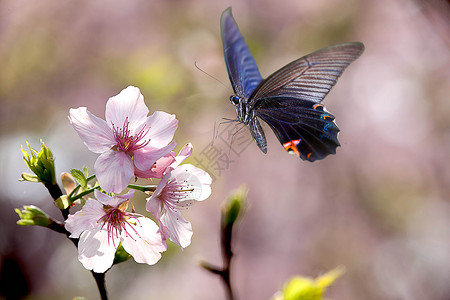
[[242, 69], [304, 128]]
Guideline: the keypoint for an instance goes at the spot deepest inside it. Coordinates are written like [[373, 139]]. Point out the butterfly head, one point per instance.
[[240, 105], [234, 99]]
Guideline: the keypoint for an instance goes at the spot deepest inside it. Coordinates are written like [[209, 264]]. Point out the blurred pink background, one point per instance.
[[380, 207]]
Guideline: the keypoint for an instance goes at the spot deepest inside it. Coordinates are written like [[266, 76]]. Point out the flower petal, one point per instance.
[[96, 251], [94, 132], [127, 105], [162, 128], [113, 201], [184, 153], [114, 170], [195, 179], [180, 229], [85, 219], [143, 241], [154, 206], [158, 168], [145, 158]]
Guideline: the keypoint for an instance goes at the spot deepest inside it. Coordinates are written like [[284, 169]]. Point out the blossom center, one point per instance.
[[128, 142], [115, 221], [174, 193]]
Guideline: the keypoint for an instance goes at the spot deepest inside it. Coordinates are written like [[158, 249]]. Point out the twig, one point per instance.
[[55, 192], [224, 272]]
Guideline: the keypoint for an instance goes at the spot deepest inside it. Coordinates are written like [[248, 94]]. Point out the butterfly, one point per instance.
[[289, 100]]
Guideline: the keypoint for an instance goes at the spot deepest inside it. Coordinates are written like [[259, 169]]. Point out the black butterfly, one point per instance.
[[290, 99]]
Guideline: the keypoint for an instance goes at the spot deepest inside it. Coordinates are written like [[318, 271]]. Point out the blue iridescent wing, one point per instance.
[[242, 70], [290, 101]]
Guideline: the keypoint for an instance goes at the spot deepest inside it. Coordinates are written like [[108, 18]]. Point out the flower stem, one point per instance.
[[148, 188], [82, 194], [224, 272], [232, 210], [227, 256], [100, 280]]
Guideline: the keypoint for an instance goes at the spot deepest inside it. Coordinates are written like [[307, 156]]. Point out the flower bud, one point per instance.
[[300, 288], [32, 215], [41, 163], [68, 182], [233, 208], [62, 202]]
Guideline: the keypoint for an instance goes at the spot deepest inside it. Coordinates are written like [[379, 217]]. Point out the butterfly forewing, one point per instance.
[[242, 69], [310, 77]]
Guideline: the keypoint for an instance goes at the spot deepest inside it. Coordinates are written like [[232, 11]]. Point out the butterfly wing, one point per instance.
[[290, 101], [241, 66]]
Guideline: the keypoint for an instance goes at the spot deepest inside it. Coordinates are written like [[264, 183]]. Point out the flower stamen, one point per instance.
[[117, 220], [128, 142]]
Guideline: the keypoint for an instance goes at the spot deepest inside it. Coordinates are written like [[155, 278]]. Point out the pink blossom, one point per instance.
[[180, 187], [102, 225], [128, 140]]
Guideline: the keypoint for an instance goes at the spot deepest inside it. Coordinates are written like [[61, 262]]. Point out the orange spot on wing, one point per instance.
[[291, 146], [325, 117], [316, 106], [309, 155]]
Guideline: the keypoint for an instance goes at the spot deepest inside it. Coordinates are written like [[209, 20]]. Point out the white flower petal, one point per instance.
[[114, 170], [85, 219], [94, 132], [162, 128], [193, 178], [154, 206], [96, 251], [143, 241], [180, 229], [112, 201], [127, 105]]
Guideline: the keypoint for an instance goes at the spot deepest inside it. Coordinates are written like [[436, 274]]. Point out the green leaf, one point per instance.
[[86, 171], [121, 255], [29, 177], [80, 178]]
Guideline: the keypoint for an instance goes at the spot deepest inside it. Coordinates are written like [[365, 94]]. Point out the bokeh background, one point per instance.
[[380, 207]]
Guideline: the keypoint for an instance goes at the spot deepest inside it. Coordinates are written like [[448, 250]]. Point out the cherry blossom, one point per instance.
[[102, 224], [180, 187], [128, 141]]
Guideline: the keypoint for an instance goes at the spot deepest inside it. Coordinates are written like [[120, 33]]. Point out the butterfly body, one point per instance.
[[289, 100]]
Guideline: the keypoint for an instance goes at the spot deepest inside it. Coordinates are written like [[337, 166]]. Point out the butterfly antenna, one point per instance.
[[204, 72], [215, 132]]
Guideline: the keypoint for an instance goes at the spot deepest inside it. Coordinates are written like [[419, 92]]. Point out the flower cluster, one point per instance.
[[133, 144]]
